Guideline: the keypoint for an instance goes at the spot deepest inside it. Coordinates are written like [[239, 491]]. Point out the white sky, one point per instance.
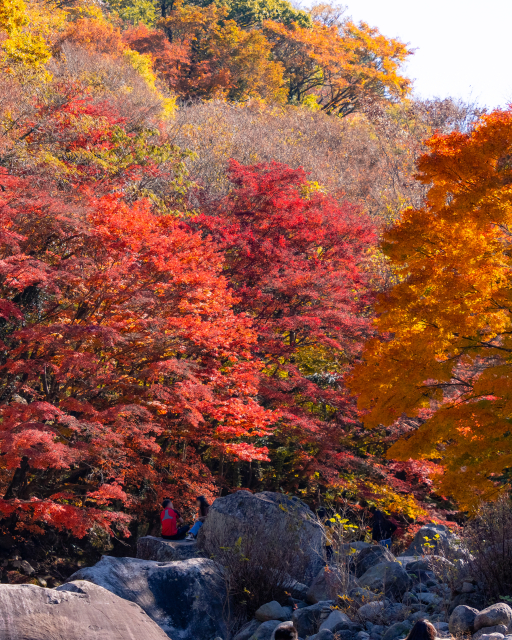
[[464, 47]]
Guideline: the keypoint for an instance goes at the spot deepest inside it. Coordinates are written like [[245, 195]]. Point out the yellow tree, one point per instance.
[[24, 44], [445, 351], [338, 65]]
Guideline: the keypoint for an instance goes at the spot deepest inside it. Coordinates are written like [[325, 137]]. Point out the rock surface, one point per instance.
[[439, 537], [185, 599], [160, 550], [271, 611], [499, 613], [333, 619], [371, 556], [308, 620], [274, 513], [389, 578], [266, 630], [462, 620], [327, 584], [372, 611], [75, 611], [248, 630]]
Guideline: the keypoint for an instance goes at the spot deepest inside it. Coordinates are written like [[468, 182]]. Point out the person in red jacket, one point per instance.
[[170, 518]]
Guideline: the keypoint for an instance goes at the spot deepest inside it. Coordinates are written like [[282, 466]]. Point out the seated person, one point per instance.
[[202, 512], [170, 520]]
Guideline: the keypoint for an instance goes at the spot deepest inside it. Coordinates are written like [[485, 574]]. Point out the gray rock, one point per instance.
[[274, 513], [347, 629], [27, 568], [397, 630], [485, 631], [441, 626], [362, 635], [436, 564], [297, 590], [462, 620], [491, 636], [373, 611], [248, 630], [334, 618], [283, 625], [389, 578], [409, 596], [186, 599], [429, 598], [324, 634], [351, 548], [160, 550], [440, 539], [328, 583], [499, 613], [371, 556], [474, 600], [266, 630], [271, 611], [309, 619], [75, 610], [417, 615]]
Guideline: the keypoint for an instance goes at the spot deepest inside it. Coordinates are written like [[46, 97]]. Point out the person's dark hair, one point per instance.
[[286, 631], [203, 505], [422, 630], [166, 503]]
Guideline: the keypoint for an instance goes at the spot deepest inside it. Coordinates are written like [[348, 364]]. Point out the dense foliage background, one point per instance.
[[193, 200]]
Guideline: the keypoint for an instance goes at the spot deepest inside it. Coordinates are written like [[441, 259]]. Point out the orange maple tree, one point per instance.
[[445, 350]]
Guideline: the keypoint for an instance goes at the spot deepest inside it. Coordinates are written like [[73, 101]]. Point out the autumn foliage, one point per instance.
[[192, 201], [444, 354]]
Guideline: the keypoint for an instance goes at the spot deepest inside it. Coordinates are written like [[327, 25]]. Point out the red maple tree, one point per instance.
[[120, 352], [296, 260]]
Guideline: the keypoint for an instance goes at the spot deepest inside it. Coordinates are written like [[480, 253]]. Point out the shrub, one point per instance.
[[258, 566], [488, 537]]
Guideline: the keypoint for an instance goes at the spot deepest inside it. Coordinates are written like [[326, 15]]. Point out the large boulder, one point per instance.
[[75, 611], [389, 578], [370, 556], [160, 550], [435, 538], [496, 614], [275, 519], [186, 599], [486, 631]]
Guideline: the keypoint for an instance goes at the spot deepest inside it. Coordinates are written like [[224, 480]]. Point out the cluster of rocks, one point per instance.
[[492, 623], [170, 590], [385, 597]]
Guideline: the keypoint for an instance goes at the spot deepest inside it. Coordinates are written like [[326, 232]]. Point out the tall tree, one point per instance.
[[445, 350], [295, 261], [121, 355]]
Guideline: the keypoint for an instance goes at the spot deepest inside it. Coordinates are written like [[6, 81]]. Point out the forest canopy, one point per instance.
[[228, 229]]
